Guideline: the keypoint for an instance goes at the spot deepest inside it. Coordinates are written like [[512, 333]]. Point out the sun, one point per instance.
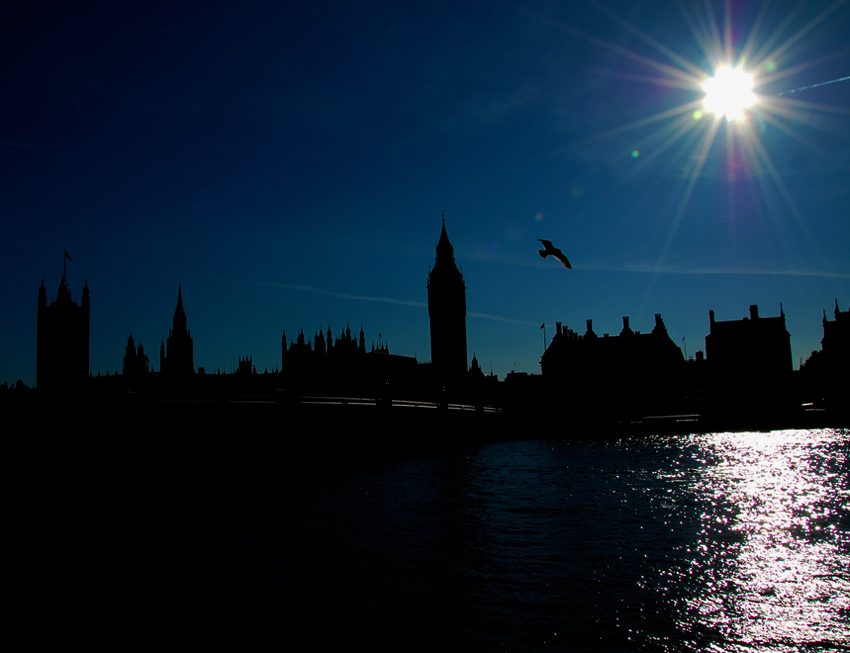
[[729, 93], [730, 70]]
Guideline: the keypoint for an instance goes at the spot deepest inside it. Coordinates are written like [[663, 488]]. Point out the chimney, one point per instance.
[[711, 318], [558, 328], [754, 312]]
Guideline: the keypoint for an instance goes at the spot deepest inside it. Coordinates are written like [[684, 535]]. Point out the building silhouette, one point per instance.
[[135, 360], [835, 343], [340, 364], [447, 313], [824, 375], [631, 371], [176, 355], [746, 376], [62, 350], [753, 348], [749, 365]]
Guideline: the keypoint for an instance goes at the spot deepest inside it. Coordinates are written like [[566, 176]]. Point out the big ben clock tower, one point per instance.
[[447, 313]]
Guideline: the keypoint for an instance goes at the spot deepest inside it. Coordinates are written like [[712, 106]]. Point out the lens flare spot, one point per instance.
[[635, 154], [697, 115], [538, 217], [729, 93], [577, 191]]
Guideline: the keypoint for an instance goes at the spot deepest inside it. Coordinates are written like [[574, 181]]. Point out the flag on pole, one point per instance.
[[67, 255]]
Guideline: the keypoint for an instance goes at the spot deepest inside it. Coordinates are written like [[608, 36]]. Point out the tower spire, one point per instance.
[[179, 359]]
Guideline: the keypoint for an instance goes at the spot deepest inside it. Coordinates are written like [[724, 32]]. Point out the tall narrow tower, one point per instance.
[[447, 312], [178, 357], [62, 350]]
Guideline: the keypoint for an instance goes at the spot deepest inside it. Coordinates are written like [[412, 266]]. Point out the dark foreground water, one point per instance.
[[721, 542]]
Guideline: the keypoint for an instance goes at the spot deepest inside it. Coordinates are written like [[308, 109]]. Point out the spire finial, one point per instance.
[[66, 257]]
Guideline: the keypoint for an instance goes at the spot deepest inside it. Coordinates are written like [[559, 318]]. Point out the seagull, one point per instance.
[[550, 249]]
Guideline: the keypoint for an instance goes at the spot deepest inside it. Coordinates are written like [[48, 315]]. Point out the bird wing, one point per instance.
[[563, 259]]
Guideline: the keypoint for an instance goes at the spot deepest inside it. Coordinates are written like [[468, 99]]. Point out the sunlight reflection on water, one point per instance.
[[723, 542], [771, 542]]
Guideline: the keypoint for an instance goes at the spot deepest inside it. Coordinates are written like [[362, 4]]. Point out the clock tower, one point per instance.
[[447, 313]]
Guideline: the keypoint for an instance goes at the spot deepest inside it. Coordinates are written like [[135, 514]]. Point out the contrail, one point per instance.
[[803, 88], [386, 300], [342, 295], [13, 144]]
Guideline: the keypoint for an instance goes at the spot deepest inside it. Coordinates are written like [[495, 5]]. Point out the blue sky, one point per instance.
[[288, 163]]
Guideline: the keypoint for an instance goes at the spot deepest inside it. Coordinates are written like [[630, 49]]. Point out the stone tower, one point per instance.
[[62, 349], [447, 313], [177, 357]]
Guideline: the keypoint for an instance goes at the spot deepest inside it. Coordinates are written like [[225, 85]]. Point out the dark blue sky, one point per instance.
[[287, 163]]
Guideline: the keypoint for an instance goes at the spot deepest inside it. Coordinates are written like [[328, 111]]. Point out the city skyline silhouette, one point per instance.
[[286, 169], [631, 379]]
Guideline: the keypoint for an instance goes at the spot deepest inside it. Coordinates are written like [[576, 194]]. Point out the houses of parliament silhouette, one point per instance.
[[746, 368]]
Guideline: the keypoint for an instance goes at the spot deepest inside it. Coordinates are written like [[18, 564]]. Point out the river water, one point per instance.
[[720, 542], [723, 542]]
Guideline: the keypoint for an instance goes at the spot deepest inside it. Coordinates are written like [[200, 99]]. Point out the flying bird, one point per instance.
[[550, 250]]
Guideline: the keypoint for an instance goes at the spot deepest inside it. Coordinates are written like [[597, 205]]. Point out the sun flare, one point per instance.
[[729, 55], [729, 93]]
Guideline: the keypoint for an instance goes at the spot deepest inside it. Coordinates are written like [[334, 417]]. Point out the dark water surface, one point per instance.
[[724, 542]]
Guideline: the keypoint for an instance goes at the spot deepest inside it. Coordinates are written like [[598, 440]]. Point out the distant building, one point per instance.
[[749, 366], [824, 375], [447, 312], [246, 366], [135, 360], [176, 355], [631, 369], [297, 358], [835, 343], [62, 350], [753, 348]]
